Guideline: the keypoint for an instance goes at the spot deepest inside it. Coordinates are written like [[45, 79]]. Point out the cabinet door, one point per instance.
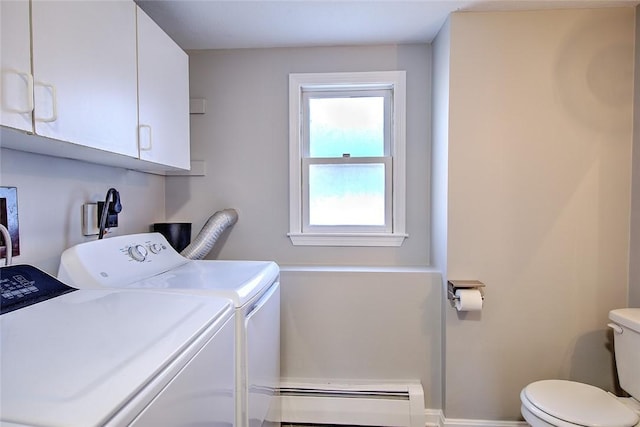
[[16, 87], [163, 85], [84, 62]]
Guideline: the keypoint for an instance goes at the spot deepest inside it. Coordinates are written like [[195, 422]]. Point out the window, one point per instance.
[[347, 159]]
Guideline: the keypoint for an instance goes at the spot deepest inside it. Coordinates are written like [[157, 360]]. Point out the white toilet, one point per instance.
[[559, 403]]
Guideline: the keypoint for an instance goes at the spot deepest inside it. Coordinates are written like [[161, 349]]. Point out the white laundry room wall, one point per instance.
[[51, 192], [379, 321], [244, 139]]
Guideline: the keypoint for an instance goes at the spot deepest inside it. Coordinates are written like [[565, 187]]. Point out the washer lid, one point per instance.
[[83, 357], [580, 404], [239, 281]]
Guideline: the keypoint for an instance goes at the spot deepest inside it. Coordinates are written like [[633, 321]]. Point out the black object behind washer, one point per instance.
[[178, 234], [24, 285]]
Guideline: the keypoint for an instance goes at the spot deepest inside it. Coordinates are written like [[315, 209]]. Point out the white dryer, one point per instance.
[[148, 261], [84, 358]]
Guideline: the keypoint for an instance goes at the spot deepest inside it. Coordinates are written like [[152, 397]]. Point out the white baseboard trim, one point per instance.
[[390, 404], [372, 404], [435, 418], [449, 422]]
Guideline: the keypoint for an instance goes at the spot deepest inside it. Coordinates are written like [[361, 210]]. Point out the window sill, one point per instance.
[[347, 239]]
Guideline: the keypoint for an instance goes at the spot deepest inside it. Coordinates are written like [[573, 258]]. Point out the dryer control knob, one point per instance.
[[138, 253]]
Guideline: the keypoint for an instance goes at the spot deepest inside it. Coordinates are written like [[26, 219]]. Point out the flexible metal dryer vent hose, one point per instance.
[[210, 233]]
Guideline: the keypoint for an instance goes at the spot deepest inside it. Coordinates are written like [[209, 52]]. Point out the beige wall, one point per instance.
[[634, 256], [51, 192], [540, 131]]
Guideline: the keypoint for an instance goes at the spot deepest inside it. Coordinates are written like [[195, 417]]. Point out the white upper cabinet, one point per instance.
[[163, 96], [97, 81], [16, 93], [85, 76]]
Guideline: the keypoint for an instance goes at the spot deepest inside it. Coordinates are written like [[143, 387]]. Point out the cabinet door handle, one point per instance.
[[54, 103], [149, 140], [28, 78]]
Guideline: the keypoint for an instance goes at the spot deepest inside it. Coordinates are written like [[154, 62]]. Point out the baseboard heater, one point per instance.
[[392, 405]]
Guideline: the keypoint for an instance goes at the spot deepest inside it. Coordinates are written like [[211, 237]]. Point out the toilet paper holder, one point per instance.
[[454, 285]]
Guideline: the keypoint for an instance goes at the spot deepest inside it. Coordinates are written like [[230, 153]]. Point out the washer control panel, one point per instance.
[[145, 251], [117, 261], [24, 285], [156, 248], [138, 252]]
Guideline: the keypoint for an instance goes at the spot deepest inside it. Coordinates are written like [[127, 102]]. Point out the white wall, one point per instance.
[[244, 139], [51, 192], [336, 324], [440, 170], [358, 325], [540, 131]]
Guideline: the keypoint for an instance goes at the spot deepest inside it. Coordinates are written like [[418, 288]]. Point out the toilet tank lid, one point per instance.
[[628, 317]]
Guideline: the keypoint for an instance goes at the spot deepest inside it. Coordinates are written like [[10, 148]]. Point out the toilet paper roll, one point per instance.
[[468, 300]]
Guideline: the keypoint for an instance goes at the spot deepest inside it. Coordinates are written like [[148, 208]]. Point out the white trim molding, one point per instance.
[[347, 239], [436, 418], [482, 423]]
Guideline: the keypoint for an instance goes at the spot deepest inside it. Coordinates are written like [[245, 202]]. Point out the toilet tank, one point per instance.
[[627, 348]]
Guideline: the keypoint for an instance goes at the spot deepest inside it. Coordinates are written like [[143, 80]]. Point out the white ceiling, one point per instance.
[[230, 24]]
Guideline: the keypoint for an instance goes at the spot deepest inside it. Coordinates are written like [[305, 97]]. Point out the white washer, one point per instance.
[[148, 261], [112, 357]]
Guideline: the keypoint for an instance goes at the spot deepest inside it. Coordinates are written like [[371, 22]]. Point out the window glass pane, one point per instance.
[[339, 126], [346, 194]]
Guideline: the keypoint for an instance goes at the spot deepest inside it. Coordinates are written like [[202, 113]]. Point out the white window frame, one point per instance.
[[299, 232]]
